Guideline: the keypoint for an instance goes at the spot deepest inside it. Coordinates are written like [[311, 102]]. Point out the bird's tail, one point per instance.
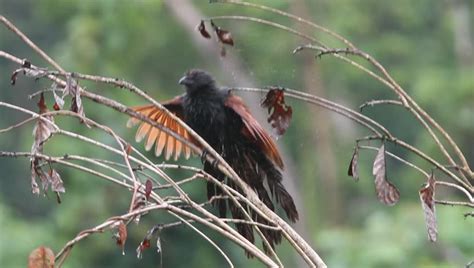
[[253, 167], [277, 189]]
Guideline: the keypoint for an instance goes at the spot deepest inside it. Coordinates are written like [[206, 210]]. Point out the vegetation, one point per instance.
[[424, 46]]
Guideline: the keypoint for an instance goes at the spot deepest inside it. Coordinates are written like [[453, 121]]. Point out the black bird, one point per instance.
[[225, 122]]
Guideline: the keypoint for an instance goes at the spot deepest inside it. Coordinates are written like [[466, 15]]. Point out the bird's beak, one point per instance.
[[182, 81]]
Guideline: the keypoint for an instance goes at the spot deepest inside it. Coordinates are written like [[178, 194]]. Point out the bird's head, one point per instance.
[[197, 80]]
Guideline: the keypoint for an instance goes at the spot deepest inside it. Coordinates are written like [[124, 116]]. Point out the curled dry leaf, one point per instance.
[[145, 244], [158, 244], [280, 113], [59, 101], [56, 106], [34, 185], [56, 182], [15, 75], [128, 149], [25, 67], [121, 236], [427, 193], [43, 129], [203, 31], [353, 170], [73, 89], [41, 133], [41, 257], [387, 193], [148, 188], [224, 36]]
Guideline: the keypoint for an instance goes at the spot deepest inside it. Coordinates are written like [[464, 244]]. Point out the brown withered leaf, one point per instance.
[[58, 101], [72, 88], [148, 188], [26, 65], [15, 75], [353, 170], [34, 185], [41, 257], [145, 244], [387, 193], [128, 149], [43, 129], [427, 193], [28, 71], [224, 36], [279, 112], [41, 133], [57, 184], [203, 31], [121, 236], [56, 106]]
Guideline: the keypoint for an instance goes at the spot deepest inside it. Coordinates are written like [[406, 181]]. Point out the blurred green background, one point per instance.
[[426, 45]]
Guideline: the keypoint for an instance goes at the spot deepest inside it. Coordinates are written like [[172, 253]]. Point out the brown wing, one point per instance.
[[253, 130], [163, 141]]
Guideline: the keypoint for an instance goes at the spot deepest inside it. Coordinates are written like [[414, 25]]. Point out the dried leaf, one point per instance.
[[56, 182], [354, 165], [387, 193], [148, 188], [121, 236], [45, 181], [158, 244], [224, 36], [280, 113], [43, 129], [34, 185], [56, 106], [71, 86], [41, 133], [146, 241], [128, 149], [41, 257], [27, 71], [15, 75], [59, 101], [203, 31], [72, 89], [427, 193], [143, 245]]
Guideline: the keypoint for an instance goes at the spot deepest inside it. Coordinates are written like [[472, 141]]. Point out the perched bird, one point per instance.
[[225, 122]]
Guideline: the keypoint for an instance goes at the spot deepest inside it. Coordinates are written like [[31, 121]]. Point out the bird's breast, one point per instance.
[[207, 118]]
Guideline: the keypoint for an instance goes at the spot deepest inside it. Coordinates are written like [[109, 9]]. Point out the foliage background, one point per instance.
[[142, 42]]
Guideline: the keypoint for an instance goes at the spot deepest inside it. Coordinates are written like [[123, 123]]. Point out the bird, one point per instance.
[[223, 120]]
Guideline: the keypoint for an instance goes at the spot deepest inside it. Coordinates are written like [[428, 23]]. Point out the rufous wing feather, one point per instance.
[[164, 143], [253, 130]]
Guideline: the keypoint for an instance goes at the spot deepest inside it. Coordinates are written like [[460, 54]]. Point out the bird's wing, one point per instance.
[[164, 142], [253, 130]]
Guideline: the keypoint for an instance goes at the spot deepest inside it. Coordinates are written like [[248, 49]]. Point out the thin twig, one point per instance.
[[378, 102]]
